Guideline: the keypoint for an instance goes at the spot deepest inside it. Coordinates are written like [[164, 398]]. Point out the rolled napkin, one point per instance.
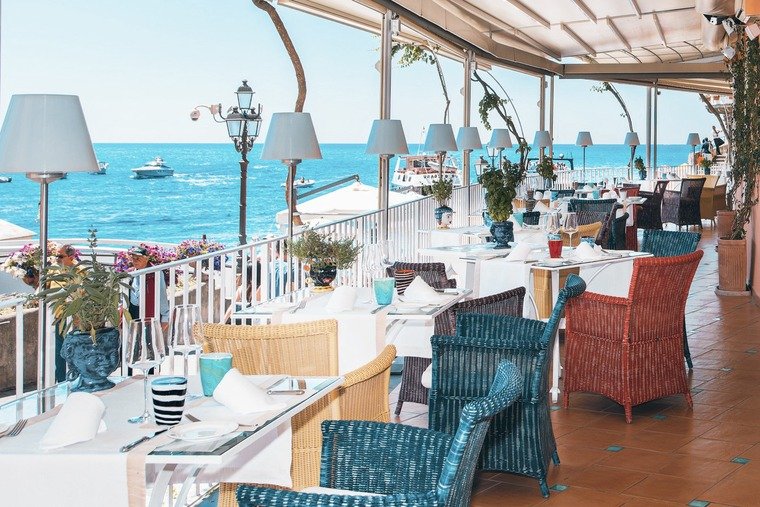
[[420, 292], [541, 207], [342, 299], [80, 419], [586, 251], [538, 195], [240, 395], [519, 253]]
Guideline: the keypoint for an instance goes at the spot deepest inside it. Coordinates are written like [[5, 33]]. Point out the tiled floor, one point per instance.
[[670, 454]]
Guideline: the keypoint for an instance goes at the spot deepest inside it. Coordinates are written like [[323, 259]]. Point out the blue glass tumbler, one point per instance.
[[384, 290]]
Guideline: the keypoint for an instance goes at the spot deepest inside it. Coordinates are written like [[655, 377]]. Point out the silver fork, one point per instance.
[[16, 429], [300, 305]]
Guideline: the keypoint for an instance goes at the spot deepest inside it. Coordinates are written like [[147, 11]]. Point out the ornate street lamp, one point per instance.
[[243, 125]]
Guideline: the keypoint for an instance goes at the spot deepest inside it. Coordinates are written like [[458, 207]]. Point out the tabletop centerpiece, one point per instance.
[[323, 256], [441, 191], [86, 301], [500, 185]]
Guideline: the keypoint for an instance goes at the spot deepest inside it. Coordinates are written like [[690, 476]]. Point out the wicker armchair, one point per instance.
[[631, 349], [409, 466], [434, 274], [562, 192], [531, 217], [591, 230], [307, 349], [364, 393], [682, 207], [617, 241], [590, 217], [600, 206], [521, 439], [650, 213]]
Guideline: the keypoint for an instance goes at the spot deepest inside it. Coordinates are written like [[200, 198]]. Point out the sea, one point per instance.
[[202, 198]]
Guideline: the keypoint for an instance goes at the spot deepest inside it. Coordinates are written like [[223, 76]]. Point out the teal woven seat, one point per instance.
[[520, 439], [407, 466]]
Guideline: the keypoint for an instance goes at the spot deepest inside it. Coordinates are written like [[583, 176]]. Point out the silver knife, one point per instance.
[[139, 441]]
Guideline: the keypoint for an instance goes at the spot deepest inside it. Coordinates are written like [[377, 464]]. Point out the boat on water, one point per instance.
[[102, 167], [5, 179], [156, 168], [302, 183], [420, 171]]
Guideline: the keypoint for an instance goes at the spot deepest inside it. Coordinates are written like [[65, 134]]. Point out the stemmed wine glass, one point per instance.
[[386, 255], [185, 332], [146, 349], [551, 223], [571, 225]]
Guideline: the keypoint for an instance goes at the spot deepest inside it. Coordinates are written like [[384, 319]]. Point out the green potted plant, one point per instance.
[[706, 164], [441, 191], [86, 300], [545, 169], [500, 185], [324, 256], [638, 164]]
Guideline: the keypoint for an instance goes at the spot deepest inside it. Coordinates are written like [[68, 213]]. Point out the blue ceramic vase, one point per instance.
[[503, 233], [89, 364]]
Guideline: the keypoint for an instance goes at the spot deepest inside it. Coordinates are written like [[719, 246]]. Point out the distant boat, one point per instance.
[[302, 183], [153, 169], [102, 167], [421, 171], [5, 179]]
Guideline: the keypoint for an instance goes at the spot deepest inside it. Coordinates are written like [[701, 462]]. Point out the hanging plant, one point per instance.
[[412, 53]]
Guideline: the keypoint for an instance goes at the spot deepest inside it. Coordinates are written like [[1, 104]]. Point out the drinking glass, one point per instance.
[[551, 223], [185, 332], [571, 225], [146, 349]]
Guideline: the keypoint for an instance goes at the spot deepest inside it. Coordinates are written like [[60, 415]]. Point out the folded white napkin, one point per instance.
[[420, 291], [342, 299], [587, 187], [538, 195], [80, 419], [516, 226], [519, 253], [540, 206], [610, 194], [240, 395], [586, 251], [427, 377]]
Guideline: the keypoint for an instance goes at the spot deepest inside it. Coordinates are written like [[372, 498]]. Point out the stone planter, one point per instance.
[[503, 233], [89, 363], [725, 221], [732, 267]]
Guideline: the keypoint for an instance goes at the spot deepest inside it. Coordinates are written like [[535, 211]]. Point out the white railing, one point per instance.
[[18, 311]]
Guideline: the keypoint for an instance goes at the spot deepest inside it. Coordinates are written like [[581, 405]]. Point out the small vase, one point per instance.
[[321, 278], [403, 277], [502, 233], [444, 216], [91, 363]]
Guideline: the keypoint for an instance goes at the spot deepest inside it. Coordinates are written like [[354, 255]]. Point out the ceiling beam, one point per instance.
[[577, 39], [584, 8], [614, 29], [659, 29], [602, 71], [530, 13], [636, 8]]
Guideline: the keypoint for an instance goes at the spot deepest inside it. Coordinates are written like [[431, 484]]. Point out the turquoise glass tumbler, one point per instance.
[[519, 217], [384, 290], [213, 367]]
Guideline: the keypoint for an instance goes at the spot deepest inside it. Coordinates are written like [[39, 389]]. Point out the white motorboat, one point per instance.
[[422, 171], [156, 168], [302, 183], [5, 179], [102, 167]]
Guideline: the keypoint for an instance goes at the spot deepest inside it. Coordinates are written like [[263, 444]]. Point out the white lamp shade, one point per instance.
[[291, 136], [468, 138], [45, 134], [500, 139], [387, 138], [440, 137], [542, 139], [693, 139], [632, 139], [584, 139]]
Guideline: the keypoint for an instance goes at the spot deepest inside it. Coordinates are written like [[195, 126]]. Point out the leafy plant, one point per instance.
[[545, 169], [86, 296], [706, 163], [441, 190], [321, 250], [638, 164], [412, 53], [500, 185]]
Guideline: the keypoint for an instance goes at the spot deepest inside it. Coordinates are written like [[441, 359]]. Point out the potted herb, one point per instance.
[[638, 164], [545, 169], [441, 191], [85, 300], [706, 163], [324, 256], [500, 185]]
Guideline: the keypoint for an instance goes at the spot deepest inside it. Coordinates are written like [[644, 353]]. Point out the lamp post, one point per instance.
[[243, 125], [693, 140], [492, 152], [632, 140], [440, 139], [499, 140], [584, 140], [386, 139]]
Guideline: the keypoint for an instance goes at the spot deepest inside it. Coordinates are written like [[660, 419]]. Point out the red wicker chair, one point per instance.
[[631, 349]]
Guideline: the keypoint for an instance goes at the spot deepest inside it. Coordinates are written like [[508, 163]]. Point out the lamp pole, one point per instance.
[[243, 125]]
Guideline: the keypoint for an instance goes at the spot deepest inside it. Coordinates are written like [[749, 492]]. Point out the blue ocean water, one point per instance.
[[202, 197]]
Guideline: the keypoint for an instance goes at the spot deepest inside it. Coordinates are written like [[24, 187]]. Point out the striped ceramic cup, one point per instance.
[[403, 278], [168, 399]]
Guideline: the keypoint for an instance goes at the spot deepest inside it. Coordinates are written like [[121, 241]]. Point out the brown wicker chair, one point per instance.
[[583, 230], [631, 349], [304, 349], [682, 207], [590, 217], [649, 215], [364, 393]]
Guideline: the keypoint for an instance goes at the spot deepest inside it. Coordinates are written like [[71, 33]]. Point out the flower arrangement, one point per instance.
[[193, 248], [156, 255], [26, 263]]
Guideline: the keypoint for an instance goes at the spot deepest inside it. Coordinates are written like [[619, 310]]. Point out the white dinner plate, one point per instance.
[[4, 427], [202, 431], [274, 306], [403, 307], [553, 262]]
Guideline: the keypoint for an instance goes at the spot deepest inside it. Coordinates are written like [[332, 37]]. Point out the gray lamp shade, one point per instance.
[[500, 139], [632, 139], [440, 137], [45, 134], [291, 136], [387, 138], [542, 139], [584, 139], [693, 139], [468, 138]]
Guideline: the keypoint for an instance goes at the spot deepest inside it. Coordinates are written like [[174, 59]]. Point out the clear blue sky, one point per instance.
[[141, 66]]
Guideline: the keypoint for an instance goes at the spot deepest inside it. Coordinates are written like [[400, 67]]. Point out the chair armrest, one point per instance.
[[255, 496], [381, 457], [597, 315], [501, 330]]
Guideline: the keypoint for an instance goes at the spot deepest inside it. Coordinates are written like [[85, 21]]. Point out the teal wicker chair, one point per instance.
[[671, 244], [521, 439], [407, 466]]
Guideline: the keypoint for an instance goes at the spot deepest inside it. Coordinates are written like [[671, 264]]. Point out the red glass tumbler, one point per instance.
[[555, 248]]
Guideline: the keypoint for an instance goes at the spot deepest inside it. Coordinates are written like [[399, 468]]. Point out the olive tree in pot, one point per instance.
[[323, 256], [441, 191], [86, 300], [500, 185]]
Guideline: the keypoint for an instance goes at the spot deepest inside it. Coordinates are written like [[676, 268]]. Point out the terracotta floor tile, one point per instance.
[[696, 467], [592, 438], [583, 497], [739, 488], [603, 478], [576, 456], [743, 415], [649, 502], [721, 399], [733, 432], [656, 441], [713, 449], [682, 425], [501, 494], [670, 488], [699, 411], [637, 459]]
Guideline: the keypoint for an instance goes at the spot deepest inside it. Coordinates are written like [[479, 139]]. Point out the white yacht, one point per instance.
[[301, 183], [156, 168], [102, 168], [422, 171]]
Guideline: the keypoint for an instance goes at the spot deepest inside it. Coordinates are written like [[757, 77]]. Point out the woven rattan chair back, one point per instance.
[[531, 217], [617, 242], [364, 393], [434, 273], [669, 243], [603, 205], [504, 303]]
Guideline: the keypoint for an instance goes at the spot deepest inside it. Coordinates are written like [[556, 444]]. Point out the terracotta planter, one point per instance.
[[732, 265], [725, 220]]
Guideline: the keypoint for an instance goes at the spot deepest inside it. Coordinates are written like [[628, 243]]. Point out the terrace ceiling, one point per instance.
[[629, 41]]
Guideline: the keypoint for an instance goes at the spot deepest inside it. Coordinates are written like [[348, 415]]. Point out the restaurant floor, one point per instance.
[[670, 454]]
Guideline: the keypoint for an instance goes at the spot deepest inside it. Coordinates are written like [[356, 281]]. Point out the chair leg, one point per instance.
[[411, 389], [544, 487], [565, 399], [629, 413], [555, 457], [686, 352]]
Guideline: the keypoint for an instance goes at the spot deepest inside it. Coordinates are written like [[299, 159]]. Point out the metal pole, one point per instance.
[[654, 130], [291, 207], [551, 115], [383, 184], [243, 184], [649, 129], [542, 110], [467, 96], [42, 311]]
